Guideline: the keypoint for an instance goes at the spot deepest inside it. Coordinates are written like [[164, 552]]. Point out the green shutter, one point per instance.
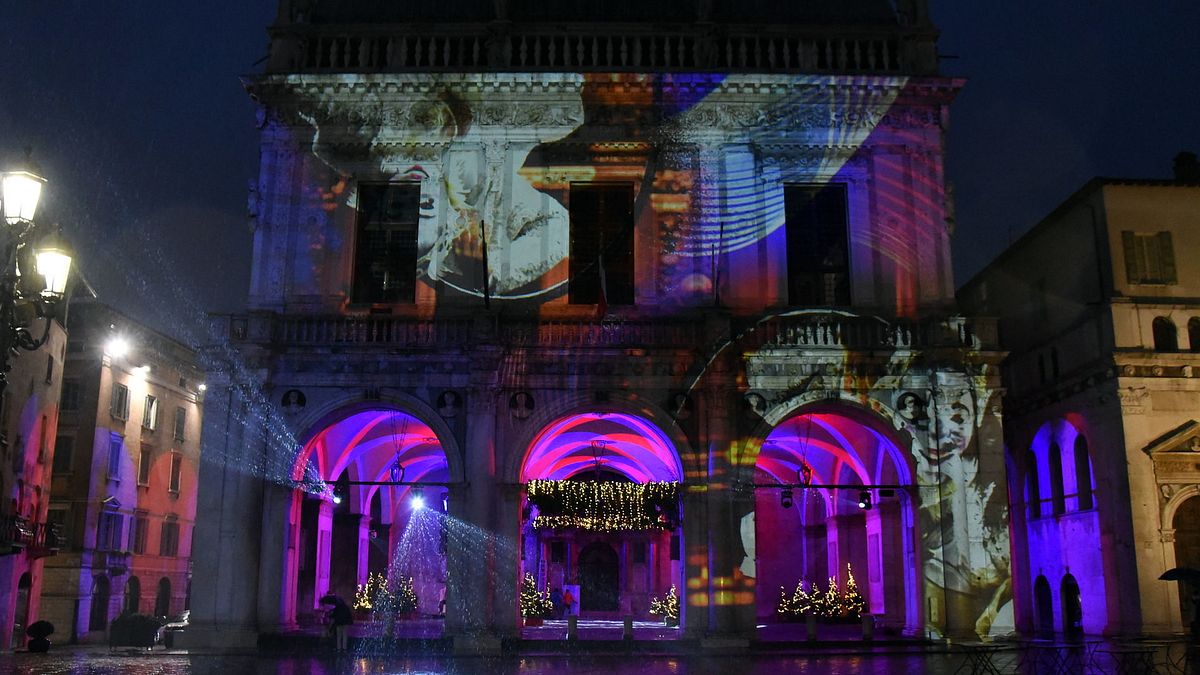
[[1166, 254], [1131, 266]]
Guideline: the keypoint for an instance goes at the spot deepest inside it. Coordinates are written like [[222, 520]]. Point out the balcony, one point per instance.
[[115, 562], [16, 533], [46, 540]]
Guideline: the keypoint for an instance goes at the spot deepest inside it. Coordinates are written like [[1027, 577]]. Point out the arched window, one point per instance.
[[1194, 333], [1032, 497], [1165, 339], [98, 617], [1058, 502], [1083, 474], [1043, 606], [133, 596], [1072, 608], [162, 601]]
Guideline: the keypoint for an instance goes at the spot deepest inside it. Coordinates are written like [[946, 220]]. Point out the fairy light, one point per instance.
[[604, 506]]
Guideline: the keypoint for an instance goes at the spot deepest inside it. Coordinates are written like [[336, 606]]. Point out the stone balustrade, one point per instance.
[[307, 48]]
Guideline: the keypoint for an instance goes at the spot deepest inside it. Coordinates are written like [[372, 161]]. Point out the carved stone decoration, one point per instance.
[[448, 404], [293, 401], [755, 405], [520, 405], [1133, 400]]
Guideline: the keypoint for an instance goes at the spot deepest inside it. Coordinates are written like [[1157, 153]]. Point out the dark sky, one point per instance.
[[137, 116]]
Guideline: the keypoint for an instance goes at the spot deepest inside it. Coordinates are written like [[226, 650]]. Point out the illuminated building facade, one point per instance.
[[1101, 404], [28, 418], [125, 471], [707, 246]]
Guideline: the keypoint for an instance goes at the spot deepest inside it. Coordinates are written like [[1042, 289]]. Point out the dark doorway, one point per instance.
[[1187, 554], [21, 615], [598, 578], [98, 619], [1044, 607], [133, 596], [162, 600], [1072, 608]]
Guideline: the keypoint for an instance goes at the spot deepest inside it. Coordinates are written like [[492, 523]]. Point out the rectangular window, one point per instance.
[[70, 396], [601, 255], [818, 258], [168, 542], [49, 369], [59, 517], [144, 462], [150, 414], [120, 401], [137, 534], [63, 451], [115, 444], [180, 423], [1149, 257], [385, 253], [108, 534], [44, 443], [176, 469]]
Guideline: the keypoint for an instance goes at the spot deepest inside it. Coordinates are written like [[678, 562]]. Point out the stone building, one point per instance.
[[1097, 304], [691, 269], [125, 474], [28, 418]]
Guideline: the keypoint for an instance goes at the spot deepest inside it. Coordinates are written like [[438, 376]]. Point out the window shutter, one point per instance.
[[1131, 260], [1166, 253]]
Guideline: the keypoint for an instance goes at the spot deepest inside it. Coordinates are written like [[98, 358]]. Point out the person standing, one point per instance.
[[342, 618]]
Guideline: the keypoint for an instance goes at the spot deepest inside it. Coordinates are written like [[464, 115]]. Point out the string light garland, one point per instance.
[[604, 506]]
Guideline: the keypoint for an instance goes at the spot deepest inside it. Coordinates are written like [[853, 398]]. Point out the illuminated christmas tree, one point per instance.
[[668, 606], [534, 603], [404, 597], [853, 603]]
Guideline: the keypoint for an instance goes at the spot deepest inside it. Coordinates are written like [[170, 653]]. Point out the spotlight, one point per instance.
[[202, 388], [418, 500], [864, 499], [117, 347], [785, 498], [337, 499]]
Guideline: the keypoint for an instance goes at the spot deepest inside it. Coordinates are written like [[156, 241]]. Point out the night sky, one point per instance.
[[137, 116]]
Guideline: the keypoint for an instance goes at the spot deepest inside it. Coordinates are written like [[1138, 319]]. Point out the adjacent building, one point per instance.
[[624, 296], [1100, 307], [124, 474], [29, 414]]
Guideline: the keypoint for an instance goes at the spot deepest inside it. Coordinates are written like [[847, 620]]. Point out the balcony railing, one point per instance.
[[15, 534], [46, 540], [116, 562], [607, 333], [369, 330], [319, 49]]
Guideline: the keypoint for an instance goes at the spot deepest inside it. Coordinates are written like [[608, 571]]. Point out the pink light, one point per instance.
[[628, 444]]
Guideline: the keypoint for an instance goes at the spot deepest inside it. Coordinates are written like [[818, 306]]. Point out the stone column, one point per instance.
[[277, 560], [227, 536], [461, 570], [694, 599], [324, 548]]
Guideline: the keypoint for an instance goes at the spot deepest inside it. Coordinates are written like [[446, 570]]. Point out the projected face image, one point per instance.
[[496, 170]]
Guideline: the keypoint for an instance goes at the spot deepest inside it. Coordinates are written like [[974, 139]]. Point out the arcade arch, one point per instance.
[[372, 481], [859, 514], [612, 569]]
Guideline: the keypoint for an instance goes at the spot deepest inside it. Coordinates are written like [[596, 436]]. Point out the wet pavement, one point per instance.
[[98, 662]]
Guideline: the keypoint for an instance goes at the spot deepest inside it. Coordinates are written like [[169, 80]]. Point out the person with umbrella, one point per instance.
[[1190, 577], [340, 617]]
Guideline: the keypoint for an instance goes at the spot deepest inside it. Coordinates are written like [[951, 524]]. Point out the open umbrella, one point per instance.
[[1189, 574]]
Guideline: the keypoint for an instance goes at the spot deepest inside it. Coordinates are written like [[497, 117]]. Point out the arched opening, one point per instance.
[[1187, 554], [162, 599], [21, 610], [366, 522], [833, 501], [1043, 623], [1058, 500], [133, 596], [98, 615], [1083, 474], [600, 520], [1072, 608], [1165, 339], [1194, 334], [1033, 498]]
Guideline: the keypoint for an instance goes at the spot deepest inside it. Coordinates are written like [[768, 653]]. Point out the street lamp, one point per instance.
[[36, 262]]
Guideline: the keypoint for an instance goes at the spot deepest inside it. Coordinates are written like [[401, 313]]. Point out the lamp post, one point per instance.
[[36, 263]]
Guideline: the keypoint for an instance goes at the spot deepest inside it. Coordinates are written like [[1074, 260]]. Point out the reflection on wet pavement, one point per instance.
[[78, 663]]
